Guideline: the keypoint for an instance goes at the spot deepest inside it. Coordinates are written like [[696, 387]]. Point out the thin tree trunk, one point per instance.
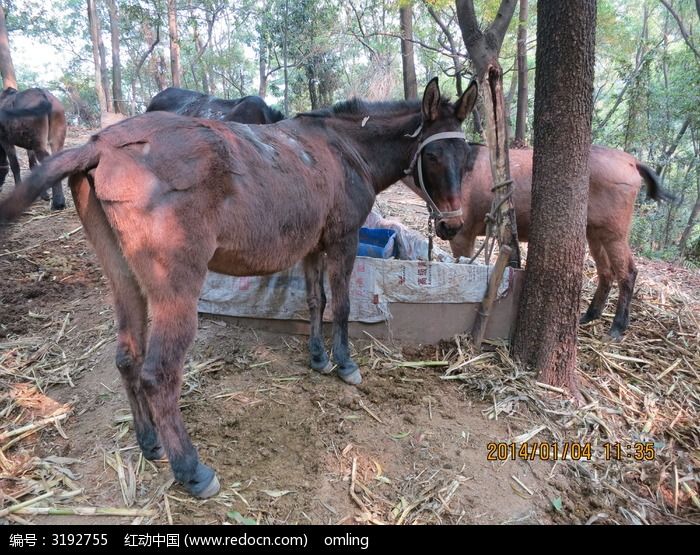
[[117, 95], [7, 68], [547, 326], [175, 70], [284, 58], [95, 36], [410, 84], [695, 212], [483, 48], [454, 53], [681, 26], [522, 106], [262, 67], [103, 69], [692, 219], [670, 151]]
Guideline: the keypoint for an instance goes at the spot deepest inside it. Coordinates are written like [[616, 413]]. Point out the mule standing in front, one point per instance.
[[615, 180], [248, 109], [163, 198], [40, 135]]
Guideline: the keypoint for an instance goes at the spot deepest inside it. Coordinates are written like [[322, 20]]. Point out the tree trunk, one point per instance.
[[104, 74], [483, 48], [262, 66], [454, 53], [95, 36], [521, 110], [284, 58], [410, 84], [117, 95], [692, 220], [695, 212], [175, 70], [7, 68], [548, 314]]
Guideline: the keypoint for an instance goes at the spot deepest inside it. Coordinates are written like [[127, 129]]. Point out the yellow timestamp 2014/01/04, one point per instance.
[[552, 451]]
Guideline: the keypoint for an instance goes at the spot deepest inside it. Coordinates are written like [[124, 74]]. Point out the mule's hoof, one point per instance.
[[350, 374], [614, 335], [585, 318], [154, 453], [204, 483], [45, 196], [211, 490], [58, 205], [325, 369]]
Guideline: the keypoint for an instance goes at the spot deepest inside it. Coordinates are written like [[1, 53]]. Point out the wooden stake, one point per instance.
[[482, 316]]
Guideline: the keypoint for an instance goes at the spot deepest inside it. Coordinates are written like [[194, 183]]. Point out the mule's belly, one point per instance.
[[237, 262]]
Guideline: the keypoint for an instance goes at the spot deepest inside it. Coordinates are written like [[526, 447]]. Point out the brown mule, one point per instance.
[[164, 197], [41, 135], [615, 180]]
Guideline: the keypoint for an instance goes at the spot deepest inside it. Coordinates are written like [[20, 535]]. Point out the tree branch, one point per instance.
[[500, 24], [684, 31]]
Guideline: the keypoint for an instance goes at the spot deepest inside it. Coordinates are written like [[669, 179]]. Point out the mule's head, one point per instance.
[[443, 156]]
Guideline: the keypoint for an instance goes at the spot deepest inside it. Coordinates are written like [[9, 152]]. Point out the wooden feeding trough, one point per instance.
[[403, 298]]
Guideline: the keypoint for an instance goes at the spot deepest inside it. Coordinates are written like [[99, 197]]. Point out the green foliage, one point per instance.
[[647, 78]]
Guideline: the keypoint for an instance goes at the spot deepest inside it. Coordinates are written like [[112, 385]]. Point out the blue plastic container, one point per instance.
[[377, 243]]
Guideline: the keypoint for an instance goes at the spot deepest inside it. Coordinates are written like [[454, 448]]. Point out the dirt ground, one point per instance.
[[289, 445]]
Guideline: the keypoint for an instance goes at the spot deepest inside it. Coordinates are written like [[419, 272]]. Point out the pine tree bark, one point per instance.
[[410, 84], [95, 37], [7, 68], [521, 109], [175, 70], [547, 326]]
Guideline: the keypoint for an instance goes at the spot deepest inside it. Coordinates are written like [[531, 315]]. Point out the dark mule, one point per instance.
[[614, 183], [270, 195], [249, 109], [41, 135]]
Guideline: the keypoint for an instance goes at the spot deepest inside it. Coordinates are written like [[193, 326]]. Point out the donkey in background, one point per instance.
[[248, 109], [40, 135], [615, 180]]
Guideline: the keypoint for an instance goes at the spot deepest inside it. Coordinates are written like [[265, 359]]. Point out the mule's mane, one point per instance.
[[358, 107]]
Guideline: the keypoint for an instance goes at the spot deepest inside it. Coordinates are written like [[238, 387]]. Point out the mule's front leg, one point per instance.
[[174, 324], [341, 257], [316, 299]]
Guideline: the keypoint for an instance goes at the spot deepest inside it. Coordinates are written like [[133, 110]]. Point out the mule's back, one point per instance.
[[173, 99], [248, 109]]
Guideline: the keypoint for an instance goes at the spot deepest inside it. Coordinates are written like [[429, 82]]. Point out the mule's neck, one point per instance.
[[386, 146]]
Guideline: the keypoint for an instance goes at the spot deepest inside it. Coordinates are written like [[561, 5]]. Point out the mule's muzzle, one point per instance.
[[447, 228]]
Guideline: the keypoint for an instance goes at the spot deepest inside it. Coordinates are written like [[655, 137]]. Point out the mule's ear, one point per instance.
[[431, 101], [466, 102]]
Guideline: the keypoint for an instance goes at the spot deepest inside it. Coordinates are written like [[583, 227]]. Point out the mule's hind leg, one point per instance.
[[316, 299], [33, 162], [605, 278], [341, 256], [173, 327], [58, 201], [625, 272], [14, 164], [130, 308]]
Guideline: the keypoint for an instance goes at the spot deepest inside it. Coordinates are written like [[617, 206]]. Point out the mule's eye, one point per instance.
[[432, 157]]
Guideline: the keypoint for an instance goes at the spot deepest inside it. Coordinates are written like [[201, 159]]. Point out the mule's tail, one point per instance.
[[654, 189], [43, 176], [41, 109]]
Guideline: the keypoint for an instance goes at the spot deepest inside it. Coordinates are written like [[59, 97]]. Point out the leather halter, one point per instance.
[[435, 212]]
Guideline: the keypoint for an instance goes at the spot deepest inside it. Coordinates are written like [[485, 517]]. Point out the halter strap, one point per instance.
[[434, 210]]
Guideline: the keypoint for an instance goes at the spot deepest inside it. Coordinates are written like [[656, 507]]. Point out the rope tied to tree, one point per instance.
[[490, 219]]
